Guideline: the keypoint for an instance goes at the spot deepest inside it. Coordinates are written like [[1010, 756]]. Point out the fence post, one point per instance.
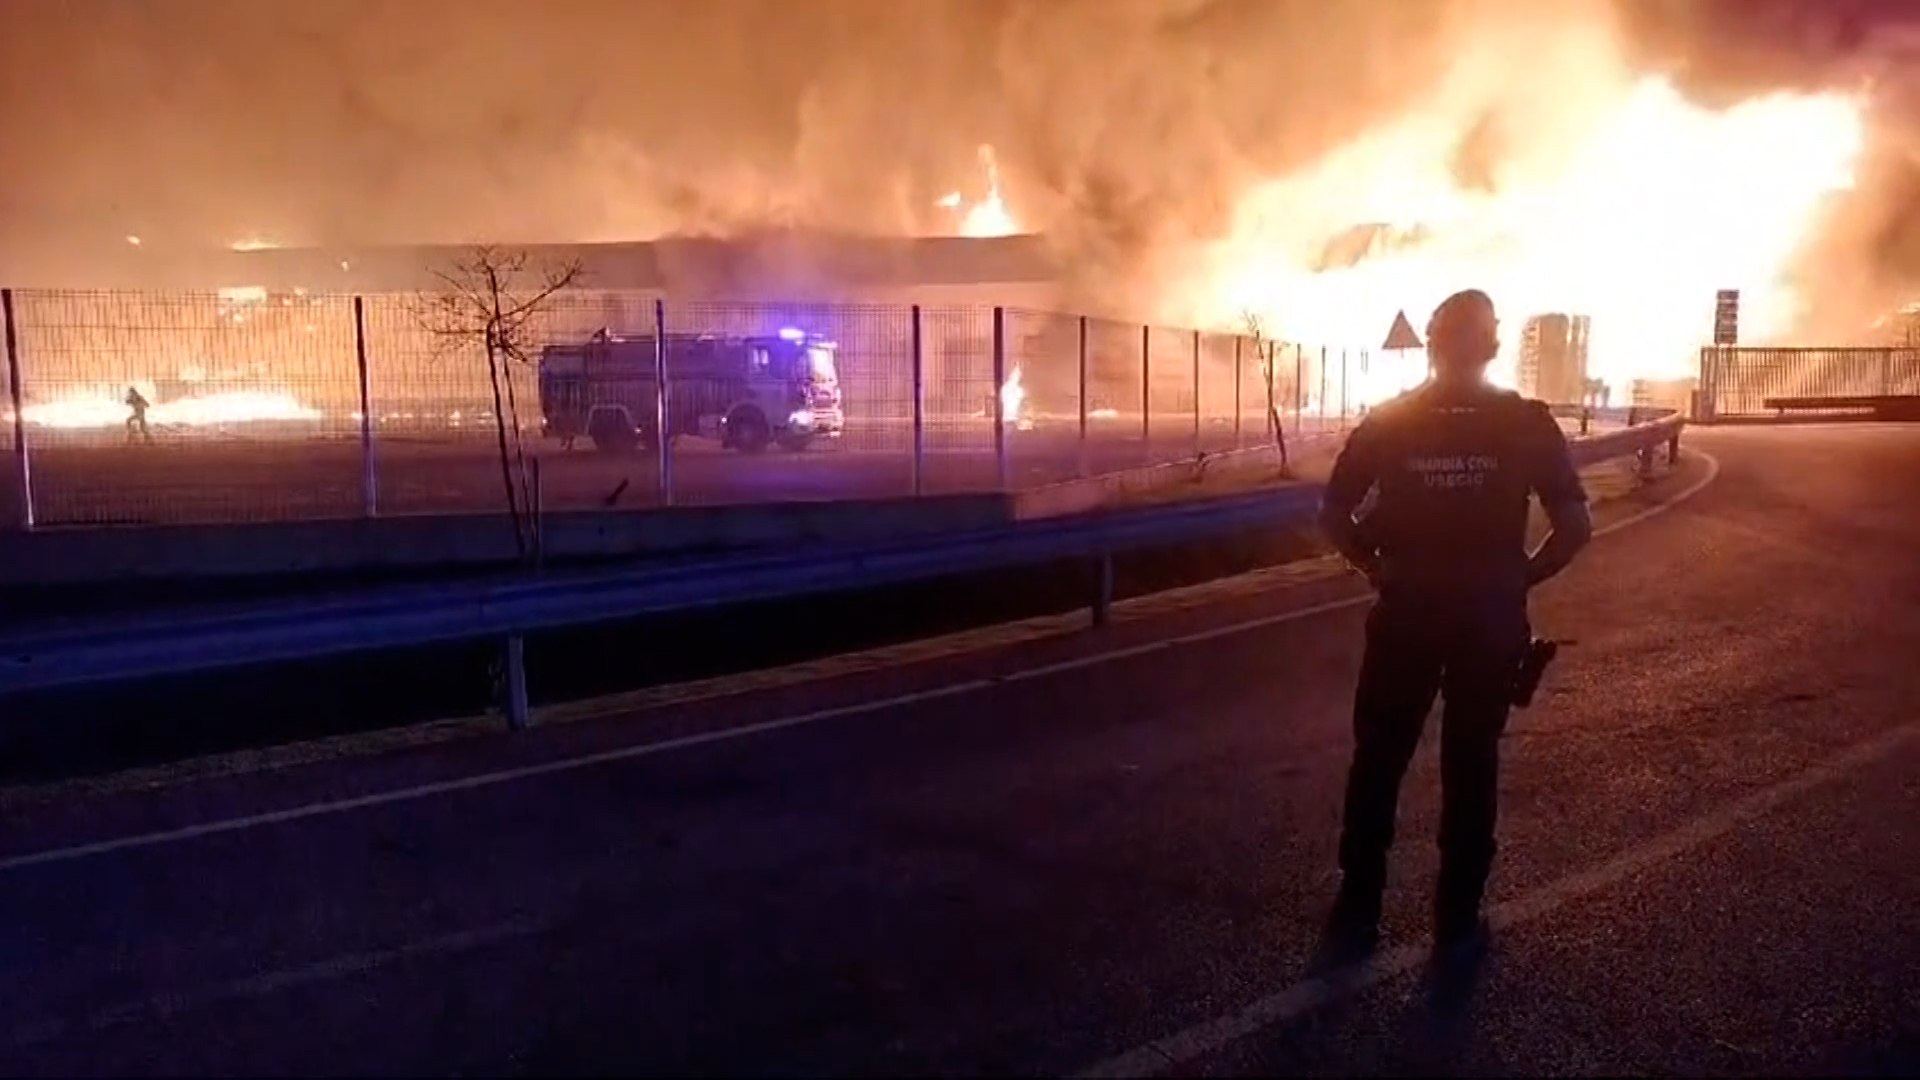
[[513, 687], [662, 439], [1346, 406], [999, 397], [369, 473], [1299, 389], [1238, 378], [1146, 393], [1323, 389], [1275, 430], [1082, 466], [22, 463], [1196, 393], [919, 406]]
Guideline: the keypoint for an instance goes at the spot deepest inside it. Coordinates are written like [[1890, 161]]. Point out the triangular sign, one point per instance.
[[1400, 335]]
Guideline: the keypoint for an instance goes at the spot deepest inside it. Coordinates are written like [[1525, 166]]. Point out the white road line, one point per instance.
[[476, 780], [1179, 1051], [628, 753], [1713, 471], [163, 1007]]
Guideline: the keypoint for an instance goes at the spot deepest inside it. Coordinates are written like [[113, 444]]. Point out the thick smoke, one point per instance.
[[203, 122], [1127, 129], [1865, 261]]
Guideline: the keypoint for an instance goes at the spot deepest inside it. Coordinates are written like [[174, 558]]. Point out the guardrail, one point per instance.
[[511, 608]]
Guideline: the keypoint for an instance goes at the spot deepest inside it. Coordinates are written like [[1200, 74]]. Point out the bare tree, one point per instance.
[[490, 304], [1256, 327]]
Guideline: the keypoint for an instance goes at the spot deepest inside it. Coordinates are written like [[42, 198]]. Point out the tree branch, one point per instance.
[[479, 304]]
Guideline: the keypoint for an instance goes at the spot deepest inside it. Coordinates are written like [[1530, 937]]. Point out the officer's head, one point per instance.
[[1463, 336]]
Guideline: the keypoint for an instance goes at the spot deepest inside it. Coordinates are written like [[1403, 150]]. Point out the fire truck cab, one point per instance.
[[747, 391]]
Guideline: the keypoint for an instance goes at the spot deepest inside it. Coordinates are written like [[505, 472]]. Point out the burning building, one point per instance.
[[1553, 358]]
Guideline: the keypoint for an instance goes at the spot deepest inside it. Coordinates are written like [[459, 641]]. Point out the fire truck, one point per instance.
[[746, 391]]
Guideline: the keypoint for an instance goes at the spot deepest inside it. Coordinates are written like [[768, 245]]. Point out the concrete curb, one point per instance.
[[111, 554]]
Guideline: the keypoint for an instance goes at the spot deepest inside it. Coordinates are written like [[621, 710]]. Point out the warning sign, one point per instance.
[[1400, 335]]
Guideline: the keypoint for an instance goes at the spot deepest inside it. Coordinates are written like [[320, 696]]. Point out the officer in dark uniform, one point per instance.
[[1451, 466]]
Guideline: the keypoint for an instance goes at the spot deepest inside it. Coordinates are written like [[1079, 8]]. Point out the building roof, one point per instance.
[[789, 265]]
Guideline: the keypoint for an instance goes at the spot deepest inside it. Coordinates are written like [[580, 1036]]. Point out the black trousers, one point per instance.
[[1417, 649]]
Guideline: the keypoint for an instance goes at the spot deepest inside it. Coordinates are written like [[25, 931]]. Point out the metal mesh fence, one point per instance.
[[1740, 381], [1217, 389], [1351, 365], [1287, 366], [150, 409], [1043, 402], [1116, 395], [958, 394], [247, 405], [1314, 373], [1171, 431], [434, 405]]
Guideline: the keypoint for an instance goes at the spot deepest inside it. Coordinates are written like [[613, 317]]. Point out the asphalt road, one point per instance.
[[1105, 851]]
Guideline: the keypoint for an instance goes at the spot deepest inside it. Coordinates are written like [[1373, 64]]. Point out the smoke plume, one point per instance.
[[1126, 129]]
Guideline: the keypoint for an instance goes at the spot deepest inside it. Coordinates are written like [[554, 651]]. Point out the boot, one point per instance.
[[1353, 926], [1458, 926]]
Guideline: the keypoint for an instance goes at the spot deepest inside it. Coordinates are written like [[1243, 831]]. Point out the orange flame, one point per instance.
[[104, 408], [1624, 202], [990, 216]]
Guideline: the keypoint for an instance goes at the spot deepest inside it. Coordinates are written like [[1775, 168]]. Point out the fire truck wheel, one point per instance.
[[748, 430], [615, 441]]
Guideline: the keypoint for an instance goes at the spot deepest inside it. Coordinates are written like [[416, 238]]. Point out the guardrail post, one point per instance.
[[1196, 393], [369, 473], [662, 440], [919, 404], [999, 399], [513, 687], [1146, 393], [1083, 468], [1103, 588], [22, 461], [1673, 448]]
